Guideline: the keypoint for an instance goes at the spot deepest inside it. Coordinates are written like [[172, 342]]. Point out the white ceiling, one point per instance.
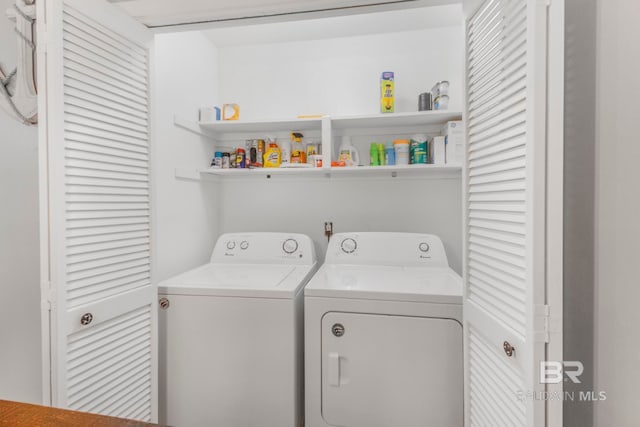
[[159, 13], [339, 26]]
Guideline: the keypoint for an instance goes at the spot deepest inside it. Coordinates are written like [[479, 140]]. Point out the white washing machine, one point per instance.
[[383, 334], [231, 334]]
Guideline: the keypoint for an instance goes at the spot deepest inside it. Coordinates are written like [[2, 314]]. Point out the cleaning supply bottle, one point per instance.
[[402, 151], [312, 149], [390, 155], [380, 148], [373, 155], [298, 153], [272, 156], [285, 153], [348, 153]]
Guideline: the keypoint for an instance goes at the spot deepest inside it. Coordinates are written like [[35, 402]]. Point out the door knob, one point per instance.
[[508, 349], [86, 319]]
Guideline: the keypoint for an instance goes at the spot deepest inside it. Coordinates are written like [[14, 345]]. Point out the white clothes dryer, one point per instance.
[[231, 334], [383, 334]]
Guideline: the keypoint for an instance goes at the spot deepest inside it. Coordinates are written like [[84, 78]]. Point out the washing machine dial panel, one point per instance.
[[231, 245], [349, 245], [290, 246], [244, 245]]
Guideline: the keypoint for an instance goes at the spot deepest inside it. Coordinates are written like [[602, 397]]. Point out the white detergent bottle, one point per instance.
[[285, 149], [348, 153]]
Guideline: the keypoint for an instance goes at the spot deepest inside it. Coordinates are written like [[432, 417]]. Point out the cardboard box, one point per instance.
[[387, 95], [454, 134], [437, 152]]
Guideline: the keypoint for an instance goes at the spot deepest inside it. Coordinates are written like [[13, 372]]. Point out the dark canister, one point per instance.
[[424, 102]]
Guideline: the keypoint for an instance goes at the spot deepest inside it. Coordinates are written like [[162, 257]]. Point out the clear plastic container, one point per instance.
[[401, 147]]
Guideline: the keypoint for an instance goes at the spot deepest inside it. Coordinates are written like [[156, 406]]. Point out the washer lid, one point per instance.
[[416, 284], [246, 280]]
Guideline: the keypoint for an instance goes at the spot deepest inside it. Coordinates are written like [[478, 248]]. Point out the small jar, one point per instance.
[[444, 88], [441, 102]]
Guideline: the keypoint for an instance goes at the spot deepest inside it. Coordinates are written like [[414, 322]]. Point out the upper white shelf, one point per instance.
[[416, 118], [235, 126], [370, 121]]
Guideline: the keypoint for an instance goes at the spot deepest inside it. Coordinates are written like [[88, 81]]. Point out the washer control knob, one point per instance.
[[290, 246], [244, 245], [424, 247], [231, 244], [348, 245]]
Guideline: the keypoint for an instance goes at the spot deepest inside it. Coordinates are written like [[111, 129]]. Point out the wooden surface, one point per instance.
[[17, 414]]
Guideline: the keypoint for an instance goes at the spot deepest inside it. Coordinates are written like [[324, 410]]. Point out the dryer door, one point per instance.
[[381, 370]]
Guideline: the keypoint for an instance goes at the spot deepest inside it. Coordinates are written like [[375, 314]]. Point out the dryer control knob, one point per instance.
[[231, 244], [290, 246], [424, 247], [244, 245], [348, 245]]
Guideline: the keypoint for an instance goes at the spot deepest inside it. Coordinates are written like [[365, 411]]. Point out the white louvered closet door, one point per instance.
[[99, 303], [504, 301]]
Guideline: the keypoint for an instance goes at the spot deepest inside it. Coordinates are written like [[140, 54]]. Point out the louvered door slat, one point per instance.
[[80, 48], [80, 160], [78, 88], [84, 128], [106, 86], [96, 158], [79, 287], [110, 40], [104, 116], [110, 78], [94, 144], [98, 144], [87, 100]]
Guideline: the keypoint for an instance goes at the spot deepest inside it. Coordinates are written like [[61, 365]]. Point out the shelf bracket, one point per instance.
[[190, 126]]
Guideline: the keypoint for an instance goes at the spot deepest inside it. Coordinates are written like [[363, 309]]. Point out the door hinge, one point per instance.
[[542, 326]]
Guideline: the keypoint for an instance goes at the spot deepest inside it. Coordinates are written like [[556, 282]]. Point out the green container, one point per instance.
[[381, 150], [418, 152], [373, 153]]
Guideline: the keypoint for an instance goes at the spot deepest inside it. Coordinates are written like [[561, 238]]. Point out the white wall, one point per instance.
[[617, 227], [185, 212], [19, 257], [367, 204], [340, 76]]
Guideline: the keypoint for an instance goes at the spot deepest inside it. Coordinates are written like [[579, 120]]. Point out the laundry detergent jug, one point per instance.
[[348, 153]]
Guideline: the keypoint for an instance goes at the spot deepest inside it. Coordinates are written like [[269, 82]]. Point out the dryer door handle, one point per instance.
[[333, 369]]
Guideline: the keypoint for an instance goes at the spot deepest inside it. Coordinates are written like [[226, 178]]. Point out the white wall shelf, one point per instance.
[[329, 127], [370, 121], [237, 126], [428, 171], [416, 118]]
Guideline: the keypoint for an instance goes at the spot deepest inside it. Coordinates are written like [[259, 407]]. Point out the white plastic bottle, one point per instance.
[[285, 150], [348, 153]]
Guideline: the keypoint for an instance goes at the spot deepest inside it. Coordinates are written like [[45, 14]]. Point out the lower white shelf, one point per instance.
[[427, 170]]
